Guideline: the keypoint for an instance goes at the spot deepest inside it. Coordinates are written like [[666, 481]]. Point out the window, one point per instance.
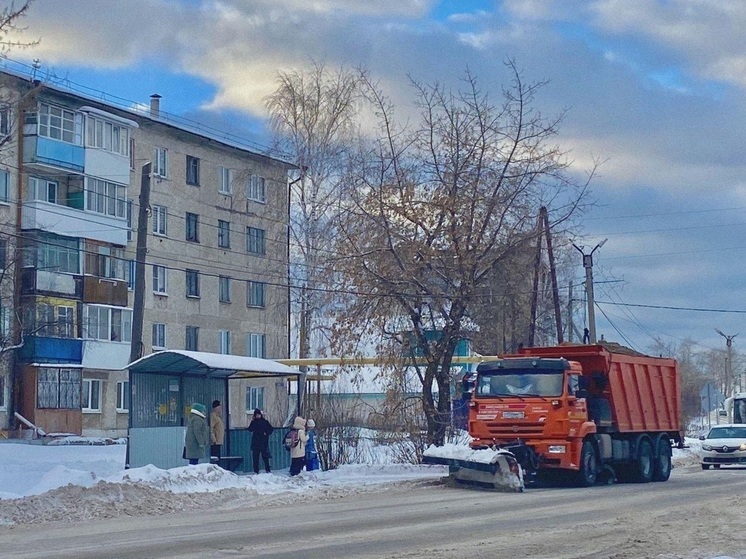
[[5, 317], [255, 294], [192, 170], [42, 189], [4, 186], [226, 181], [131, 272], [160, 162], [91, 395], [224, 234], [3, 405], [60, 124], [106, 198], [110, 324], [192, 338], [3, 252], [160, 283], [255, 240], [58, 388], [65, 322], [106, 135], [255, 189], [192, 283], [132, 154], [192, 227], [160, 215], [5, 121], [224, 341], [123, 396], [52, 252], [159, 335], [224, 284], [255, 345], [254, 398], [105, 262]]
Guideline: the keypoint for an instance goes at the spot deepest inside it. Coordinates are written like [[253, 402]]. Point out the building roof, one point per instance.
[[215, 365]]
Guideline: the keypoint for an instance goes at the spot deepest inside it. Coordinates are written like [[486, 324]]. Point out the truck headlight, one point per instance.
[[557, 449]]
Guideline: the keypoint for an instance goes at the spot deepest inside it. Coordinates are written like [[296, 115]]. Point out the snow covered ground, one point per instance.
[[71, 482]]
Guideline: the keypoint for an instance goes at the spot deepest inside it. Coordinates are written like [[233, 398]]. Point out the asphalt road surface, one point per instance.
[[695, 514]]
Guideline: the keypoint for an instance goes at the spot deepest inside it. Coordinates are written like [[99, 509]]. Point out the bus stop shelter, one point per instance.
[[164, 385]]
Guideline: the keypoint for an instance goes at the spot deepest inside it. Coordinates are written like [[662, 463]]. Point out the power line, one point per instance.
[[673, 308]]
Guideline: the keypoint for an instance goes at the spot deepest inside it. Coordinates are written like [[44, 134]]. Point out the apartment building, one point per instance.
[[216, 265]]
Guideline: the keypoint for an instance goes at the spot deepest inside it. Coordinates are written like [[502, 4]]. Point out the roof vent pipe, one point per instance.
[[155, 105]]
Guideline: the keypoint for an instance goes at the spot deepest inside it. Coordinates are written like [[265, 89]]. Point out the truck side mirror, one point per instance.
[[581, 393]]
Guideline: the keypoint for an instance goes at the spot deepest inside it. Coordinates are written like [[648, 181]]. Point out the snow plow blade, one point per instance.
[[490, 469]]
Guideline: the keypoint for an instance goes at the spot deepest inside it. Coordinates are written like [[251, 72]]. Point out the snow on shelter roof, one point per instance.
[[216, 365]]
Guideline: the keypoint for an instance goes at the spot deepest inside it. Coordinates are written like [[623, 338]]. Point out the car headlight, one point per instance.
[[742, 447], [557, 449], [707, 447]]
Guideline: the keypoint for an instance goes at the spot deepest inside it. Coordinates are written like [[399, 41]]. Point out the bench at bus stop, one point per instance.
[[229, 463]]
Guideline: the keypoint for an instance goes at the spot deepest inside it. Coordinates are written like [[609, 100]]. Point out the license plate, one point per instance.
[[513, 415]]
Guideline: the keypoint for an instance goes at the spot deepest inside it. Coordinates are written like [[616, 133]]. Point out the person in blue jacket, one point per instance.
[[312, 457]]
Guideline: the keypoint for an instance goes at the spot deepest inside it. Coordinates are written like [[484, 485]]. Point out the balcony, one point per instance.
[[41, 349], [99, 354], [46, 152], [104, 291], [44, 282], [70, 220]]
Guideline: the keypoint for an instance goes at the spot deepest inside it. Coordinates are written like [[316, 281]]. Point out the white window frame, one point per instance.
[[123, 396], [100, 322], [65, 321], [160, 280], [256, 189], [256, 345], [224, 342], [226, 181], [160, 220], [105, 197], [160, 162], [106, 135], [88, 390], [159, 335], [43, 190], [254, 398], [60, 124]]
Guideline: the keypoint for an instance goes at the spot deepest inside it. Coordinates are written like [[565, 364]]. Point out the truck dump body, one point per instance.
[[643, 392]]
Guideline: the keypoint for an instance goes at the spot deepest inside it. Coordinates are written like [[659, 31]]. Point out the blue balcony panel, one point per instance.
[[38, 149], [41, 349]]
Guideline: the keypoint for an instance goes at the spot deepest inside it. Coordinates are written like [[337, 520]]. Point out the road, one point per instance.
[[695, 514]]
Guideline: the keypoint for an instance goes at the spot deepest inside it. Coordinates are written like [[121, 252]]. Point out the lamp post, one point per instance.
[[588, 265], [728, 362]]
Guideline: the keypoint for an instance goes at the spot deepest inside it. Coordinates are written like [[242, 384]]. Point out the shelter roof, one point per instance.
[[215, 365]]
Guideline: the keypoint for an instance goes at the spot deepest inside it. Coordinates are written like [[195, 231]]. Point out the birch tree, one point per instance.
[[436, 206], [313, 115]]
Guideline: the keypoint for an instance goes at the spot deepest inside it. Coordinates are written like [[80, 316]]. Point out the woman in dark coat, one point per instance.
[[261, 430]]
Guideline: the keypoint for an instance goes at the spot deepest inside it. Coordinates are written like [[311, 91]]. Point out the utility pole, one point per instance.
[[728, 363], [138, 309], [588, 265]]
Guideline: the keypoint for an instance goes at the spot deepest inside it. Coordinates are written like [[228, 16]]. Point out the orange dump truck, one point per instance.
[[581, 413]]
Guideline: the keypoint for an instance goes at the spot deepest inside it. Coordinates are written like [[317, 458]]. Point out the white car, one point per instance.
[[724, 444]]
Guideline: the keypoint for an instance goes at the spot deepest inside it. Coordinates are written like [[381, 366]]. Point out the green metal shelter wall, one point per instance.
[[240, 445]]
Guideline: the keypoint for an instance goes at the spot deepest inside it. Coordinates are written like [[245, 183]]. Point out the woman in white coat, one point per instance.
[[298, 452]]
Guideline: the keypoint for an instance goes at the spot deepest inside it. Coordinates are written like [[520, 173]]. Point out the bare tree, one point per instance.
[[435, 209], [313, 114]]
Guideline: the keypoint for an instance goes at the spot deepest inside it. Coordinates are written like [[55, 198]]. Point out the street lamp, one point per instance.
[[728, 362]]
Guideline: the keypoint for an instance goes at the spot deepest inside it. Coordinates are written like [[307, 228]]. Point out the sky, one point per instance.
[[654, 89]]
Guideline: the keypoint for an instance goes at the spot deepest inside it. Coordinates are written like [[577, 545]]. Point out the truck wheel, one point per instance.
[[643, 466], [662, 464], [588, 465]]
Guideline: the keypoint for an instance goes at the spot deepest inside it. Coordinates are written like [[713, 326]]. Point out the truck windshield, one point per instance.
[[520, 383]]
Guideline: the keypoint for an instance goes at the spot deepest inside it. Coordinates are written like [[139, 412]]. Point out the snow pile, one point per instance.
[[462, 452]]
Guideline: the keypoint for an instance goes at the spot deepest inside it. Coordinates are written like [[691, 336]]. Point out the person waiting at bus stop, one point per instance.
[[261, 429]]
